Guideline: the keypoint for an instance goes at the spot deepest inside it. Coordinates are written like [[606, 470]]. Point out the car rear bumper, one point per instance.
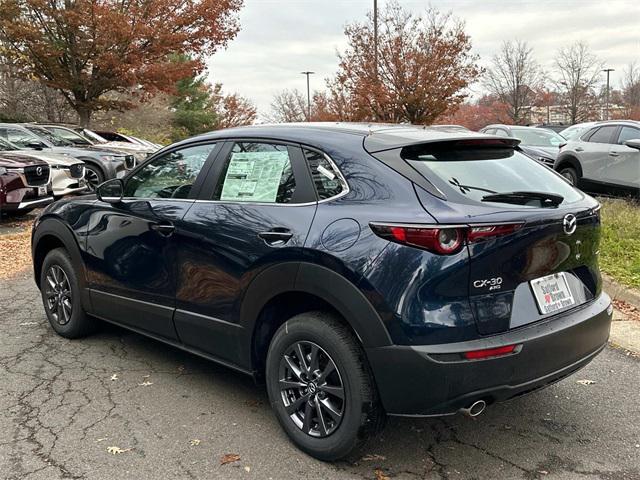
[[434, 380]]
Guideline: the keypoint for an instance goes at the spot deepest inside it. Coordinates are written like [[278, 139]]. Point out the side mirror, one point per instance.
[[111, 191], [635, 143], [35, 145]]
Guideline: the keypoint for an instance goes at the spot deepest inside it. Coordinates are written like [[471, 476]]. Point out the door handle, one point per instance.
[[165, 228], [276, 237], [614, 154], [579, 149]]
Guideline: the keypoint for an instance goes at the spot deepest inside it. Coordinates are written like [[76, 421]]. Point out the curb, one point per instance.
[[620, 292]]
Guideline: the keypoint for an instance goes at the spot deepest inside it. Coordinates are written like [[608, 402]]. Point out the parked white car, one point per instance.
[[67, 172]]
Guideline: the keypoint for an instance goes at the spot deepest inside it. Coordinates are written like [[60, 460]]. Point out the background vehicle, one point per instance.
[[24, 183], [100, 165], [357, 269], [83, 137], [538, 143], [67, 173], [552, 127], [449, 128], [121, 137], [574, 131], [605, 157]]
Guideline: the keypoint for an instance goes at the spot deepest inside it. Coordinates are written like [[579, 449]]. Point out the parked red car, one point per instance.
[[25, 183]]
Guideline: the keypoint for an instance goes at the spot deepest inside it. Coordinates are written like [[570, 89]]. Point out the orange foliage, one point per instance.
[[87, 48]]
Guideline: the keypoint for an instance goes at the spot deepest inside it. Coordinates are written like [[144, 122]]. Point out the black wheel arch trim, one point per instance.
[[571, 161], [317, 280], [51, 226]]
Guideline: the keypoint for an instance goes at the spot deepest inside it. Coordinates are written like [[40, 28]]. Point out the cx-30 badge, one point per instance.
[[569, 223]]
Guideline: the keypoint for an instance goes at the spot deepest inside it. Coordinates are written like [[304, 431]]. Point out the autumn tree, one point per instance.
[[514, 77], [631, 91], [88, 48], [424, 64], [231, 110], [288, 106], [577, 71], [478, 114]]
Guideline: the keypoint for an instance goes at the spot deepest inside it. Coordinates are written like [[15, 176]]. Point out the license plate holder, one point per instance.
[[42, 191], [552, 293]]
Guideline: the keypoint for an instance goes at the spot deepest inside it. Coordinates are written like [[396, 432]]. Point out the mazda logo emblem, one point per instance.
[[39, 171], [569, 223]]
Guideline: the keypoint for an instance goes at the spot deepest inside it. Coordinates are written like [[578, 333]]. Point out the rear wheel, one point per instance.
[[570, 174], [320, 386], [61, 296]]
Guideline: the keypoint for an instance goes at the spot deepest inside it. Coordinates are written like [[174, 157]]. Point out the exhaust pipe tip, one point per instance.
[[475, 409]]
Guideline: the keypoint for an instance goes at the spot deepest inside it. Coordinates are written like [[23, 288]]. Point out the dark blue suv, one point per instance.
[[358, 270]]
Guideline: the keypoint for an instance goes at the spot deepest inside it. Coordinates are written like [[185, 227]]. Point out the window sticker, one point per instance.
[[254, 176]]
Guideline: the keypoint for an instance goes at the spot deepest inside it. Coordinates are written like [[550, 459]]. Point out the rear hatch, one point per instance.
[[532, 254]]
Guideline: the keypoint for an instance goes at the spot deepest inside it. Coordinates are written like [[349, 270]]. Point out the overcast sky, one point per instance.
[[281, 38]]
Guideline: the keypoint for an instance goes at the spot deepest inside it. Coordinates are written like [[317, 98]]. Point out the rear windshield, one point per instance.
[[467, 175]]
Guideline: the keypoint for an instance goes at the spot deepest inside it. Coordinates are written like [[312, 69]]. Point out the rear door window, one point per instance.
[[257, 173], [468, 174], [603, 135], [327, 179]]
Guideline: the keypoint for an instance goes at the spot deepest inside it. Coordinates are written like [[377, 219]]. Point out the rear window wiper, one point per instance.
[[523, 198]]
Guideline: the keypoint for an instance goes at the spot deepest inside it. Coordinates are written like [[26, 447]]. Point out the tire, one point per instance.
[[94, 176], [59, 280], [570, 174], [359, 413]]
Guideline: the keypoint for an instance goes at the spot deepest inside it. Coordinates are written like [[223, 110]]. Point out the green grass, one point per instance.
[[620, 244]]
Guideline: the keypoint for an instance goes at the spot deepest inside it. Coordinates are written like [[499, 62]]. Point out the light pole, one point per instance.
[[375, 34], [608, 70], [308, 95]]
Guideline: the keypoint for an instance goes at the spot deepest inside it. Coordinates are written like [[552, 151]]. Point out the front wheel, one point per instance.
[[93, 176], [320, 386], [61, 296]]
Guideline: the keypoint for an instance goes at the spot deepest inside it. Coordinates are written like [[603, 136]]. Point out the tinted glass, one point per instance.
[[467, 175], [325, 176], [19, 137], [602, 135], [170, 176], [574, 132], [257, 172], [70, 136], [628, 133], [538, 137], [49, 136]]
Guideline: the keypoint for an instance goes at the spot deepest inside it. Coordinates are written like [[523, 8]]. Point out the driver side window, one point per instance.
[[170, 176]]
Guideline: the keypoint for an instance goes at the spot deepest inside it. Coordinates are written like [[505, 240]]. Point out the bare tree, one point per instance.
[[631, 91], [514, 78], [288, 106], [577, 71]]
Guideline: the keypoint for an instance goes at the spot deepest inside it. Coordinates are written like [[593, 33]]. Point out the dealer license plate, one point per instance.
[[552, 293]]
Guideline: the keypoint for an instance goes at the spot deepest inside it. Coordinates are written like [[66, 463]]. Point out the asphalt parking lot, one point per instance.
[[66, 404]]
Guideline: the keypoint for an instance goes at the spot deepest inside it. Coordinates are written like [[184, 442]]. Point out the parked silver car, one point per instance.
[[538, 143], [604, 157]]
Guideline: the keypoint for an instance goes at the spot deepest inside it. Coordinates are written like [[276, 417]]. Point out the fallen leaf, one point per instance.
[[543, 472], [114, 377], [146, 383], [586, 382], [380, 475], [117, 450], [247, 469], [372, 457], [101, 440], [194, 442], [229, 458]]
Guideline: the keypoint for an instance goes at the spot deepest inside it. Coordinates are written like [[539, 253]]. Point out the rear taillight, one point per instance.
[[444, 240]]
